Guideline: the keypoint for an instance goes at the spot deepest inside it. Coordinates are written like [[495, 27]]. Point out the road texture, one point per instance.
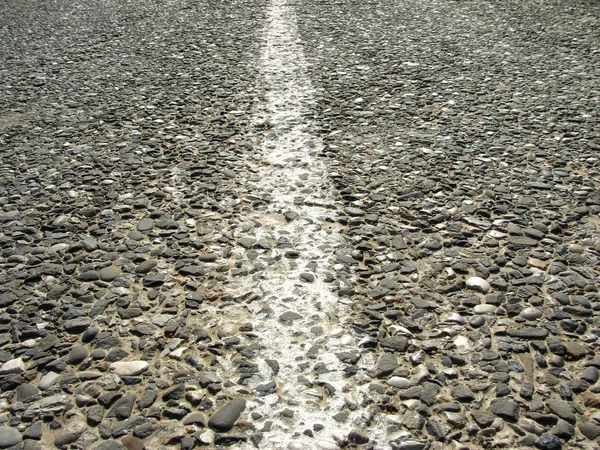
[[299, 224]]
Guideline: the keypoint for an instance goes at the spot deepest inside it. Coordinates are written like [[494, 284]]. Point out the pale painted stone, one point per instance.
[[463, 346], [129, 368]]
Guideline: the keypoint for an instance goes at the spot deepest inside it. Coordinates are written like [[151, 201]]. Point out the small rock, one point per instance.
[[358, 437], [129, 368], [48, 380], [478, 284], [289, 316], [133, 443], [70, 433], [224, 419], [145, 224], [9, 436], [12, 366], [196, 417], [589, 430], [399, 382], [548, 442], [77, 354], [109, 273], [385, 365], [506, 409], [562, 409], [26, 391], [463, 394], [354, 212], [531, 313]]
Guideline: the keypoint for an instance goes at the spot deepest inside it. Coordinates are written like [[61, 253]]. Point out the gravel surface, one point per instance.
[[299, 224]]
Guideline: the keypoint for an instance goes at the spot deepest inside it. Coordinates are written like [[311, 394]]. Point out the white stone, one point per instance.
[[422, 373], [336, 332], [397, 329], [48, 380], [411, 404], [12, 366], [325, 445], [531, 313], [478, 284], [58, 247], [206, 438], [456, 318], [161, 319], [399, 382], [462, 345], [296, 445], [129, 368], [346, 340], [484, 309], [178, 353]]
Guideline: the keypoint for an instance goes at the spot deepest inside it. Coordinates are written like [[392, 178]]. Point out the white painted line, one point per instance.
[[311, 385]]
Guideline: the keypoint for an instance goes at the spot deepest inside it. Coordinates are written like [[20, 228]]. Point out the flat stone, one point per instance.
[[125, 426], [562, 409], [399, 382], [109, 273], [307, 276], [34, 431], [590, 374], [527, 333], [196, 417], [483, 418], [506, 409], [77, 325], [146, 266], [289, 316], [397, 343], [111, 445], [385, 365], [123, 407], [575, 350], [463, 394], [520, 242], [145, 224], [563, 429], [224, 419], [77, 354], [589, 430], [9, 436], [12, 366], [129, 313], [129, 368], [133, 443], [48, 380], [70, 433], [26, 391], [206, 257], [354, 212], [531, 313]]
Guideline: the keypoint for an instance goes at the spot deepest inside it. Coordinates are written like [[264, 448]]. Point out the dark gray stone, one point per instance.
[[224, 419], [506, 409]]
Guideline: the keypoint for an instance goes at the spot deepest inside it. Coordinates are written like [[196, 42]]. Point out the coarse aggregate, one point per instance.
[[441, 195]]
